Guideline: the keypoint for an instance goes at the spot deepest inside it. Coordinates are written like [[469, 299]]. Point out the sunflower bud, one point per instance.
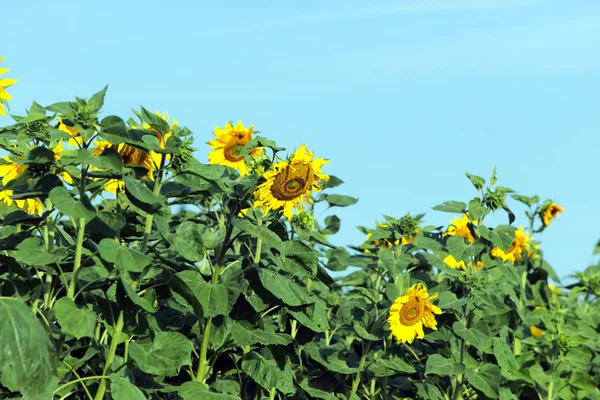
[[304, 220]]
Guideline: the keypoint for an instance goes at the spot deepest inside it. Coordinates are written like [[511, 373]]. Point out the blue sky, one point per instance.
[[402, 97]]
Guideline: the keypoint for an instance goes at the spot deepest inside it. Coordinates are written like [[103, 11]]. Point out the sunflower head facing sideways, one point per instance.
[[229, 144], [4, 83], [411, 312], [549, 212], [289, 184]]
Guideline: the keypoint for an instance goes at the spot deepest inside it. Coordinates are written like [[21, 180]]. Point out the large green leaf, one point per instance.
[[122, 256], [74, 321], [165, 355], [267, 374], [283, 288], [121, 388], [199, 391], [213, 298], [457, 207], [298, 259], [69, 206], [436, 364], [478, 335], [187, 241], [504, 356], [485, 379], [247, 337], [27, 358], [268, 237]]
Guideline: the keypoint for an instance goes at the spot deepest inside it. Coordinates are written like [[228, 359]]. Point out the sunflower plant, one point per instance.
[[134, 267]]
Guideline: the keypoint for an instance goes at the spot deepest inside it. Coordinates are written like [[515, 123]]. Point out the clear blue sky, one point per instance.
[[403, 97]]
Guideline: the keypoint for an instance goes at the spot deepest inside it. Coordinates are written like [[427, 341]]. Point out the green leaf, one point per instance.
[[456, 246], [74, 321], [504, 356], [477, 210], [27, 358], [318, 392], [457, 207], [74, 208], [336, 200], [96, 102], [438, 365], [121, 388], [333, 181], [298, 259], [105, 225], [213, 298], [506, 394], [478, 335], [525, 199], [188, 241], [155, 121], [390, 366], [123, 257], [109, 160], [146, 199], [193, 390], [32, 251], [165, 355], [332, 225], [268, 237], [248, 337], [486, 379], [267, 374], [283, 288], [135, 297], [477, 181]]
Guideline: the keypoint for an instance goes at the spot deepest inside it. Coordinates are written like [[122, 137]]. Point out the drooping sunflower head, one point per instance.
[[68, 126], [290, 183], [4, 83], [411, 312], [31, 206], [549, 212], [519, 245], [460, 227], [229, 144]]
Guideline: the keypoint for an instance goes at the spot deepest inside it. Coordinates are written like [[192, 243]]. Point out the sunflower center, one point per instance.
[[412, 312], [292, 181], [232, 153]]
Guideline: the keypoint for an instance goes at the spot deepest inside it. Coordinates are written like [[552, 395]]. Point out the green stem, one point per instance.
[[111, 355], [550, 387], [78, 251], [258, 251], [49, 242], [86, 378], [361, 365], [150, 217], [272, 394]]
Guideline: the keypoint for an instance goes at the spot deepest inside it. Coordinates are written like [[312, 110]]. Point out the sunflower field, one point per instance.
[[130, 268]]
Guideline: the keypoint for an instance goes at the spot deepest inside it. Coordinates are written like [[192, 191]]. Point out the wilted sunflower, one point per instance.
[[536, 332], [228, 145], [289, 183], [519, 245], [459, 227], [4, 83], [550, 212], [131, 156], [411, 312]]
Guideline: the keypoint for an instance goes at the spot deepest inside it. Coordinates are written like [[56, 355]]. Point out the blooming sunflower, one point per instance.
[[4, 83], [460, 227], [519, 245], [131, 156], [289, 183], [411, 312], [536, 332], [31, 206], [228, 145], [550, 212]]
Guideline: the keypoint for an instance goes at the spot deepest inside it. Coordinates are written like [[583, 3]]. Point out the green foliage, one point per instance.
[[131, 270]]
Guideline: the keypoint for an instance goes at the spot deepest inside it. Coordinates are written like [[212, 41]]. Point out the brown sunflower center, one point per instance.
[[232, 153], [292, 181], [132, 156], [412, 312]]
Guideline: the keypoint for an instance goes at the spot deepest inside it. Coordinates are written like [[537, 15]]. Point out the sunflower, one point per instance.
[[31, 206], [228, 145], [4, 83], [519, 245], [555, 292], [460, 227], [409, 313], [452, 263], [131, 156], [387, 243], [68, 126], [536, 332], [550, 212], [57, 154], [11, 170], [289, 183], [162, 139]]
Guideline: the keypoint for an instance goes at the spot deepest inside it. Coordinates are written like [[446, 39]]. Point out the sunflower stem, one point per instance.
[[361, 365], [78, 252], [49, 243], [111, 355], [150, 217]]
